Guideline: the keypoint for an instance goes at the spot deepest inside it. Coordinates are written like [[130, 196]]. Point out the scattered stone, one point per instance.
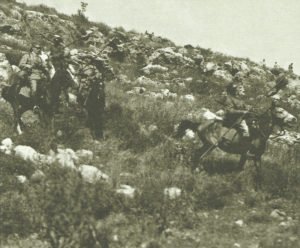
[[84, 156], [26, 153], [277, 214], [189, 134], [37, 176], [126, 190], [22, 179], [91, 174], [239, 223], [172, 192], [188, 97]]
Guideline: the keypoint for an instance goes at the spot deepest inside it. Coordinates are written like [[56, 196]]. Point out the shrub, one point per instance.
[[13, 56], [211, 191], [13, 43], [14, 166], [43, 9], [72, 209], [38, 137], [15, 214], [103, 28]]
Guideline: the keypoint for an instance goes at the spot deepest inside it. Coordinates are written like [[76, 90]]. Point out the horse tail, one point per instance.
[[183, 126]]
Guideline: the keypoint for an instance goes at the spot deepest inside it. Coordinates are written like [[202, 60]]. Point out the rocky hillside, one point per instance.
[[145, 65], [135, 188]]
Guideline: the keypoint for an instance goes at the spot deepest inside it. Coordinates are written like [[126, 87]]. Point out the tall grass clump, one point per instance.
[[72, 211], [211, 192]]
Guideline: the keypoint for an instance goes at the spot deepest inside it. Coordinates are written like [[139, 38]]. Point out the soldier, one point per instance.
[[263, 64], [59, 55], [61, 58], [280, 83], [236, 109], [291, 69], [38, 72], [92, 94]]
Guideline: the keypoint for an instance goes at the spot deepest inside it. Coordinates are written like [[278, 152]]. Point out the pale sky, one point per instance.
[[255, 29]]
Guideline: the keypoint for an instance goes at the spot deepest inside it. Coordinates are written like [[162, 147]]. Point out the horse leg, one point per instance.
[[242, 161], [65, 90], [198, 154], [17, 118], [258, 176]]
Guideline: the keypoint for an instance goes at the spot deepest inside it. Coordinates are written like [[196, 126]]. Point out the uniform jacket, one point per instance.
[[60, 57], [36, 63]]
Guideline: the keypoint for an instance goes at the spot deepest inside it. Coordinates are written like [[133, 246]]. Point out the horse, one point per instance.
[[61, 81], [21, 103], [214, 134]]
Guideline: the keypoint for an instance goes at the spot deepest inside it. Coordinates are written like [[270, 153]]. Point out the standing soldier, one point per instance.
[[38, 73], [291, 69], [92, 94]]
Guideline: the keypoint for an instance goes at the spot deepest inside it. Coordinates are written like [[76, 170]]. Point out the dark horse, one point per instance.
[[214, 134], [21, 103], [60, 83]]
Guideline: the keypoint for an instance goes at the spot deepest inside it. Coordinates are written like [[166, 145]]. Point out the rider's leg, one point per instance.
[[33, 89], [243, 127]]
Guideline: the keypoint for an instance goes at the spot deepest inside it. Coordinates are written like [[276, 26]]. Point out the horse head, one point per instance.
[[283, 118]]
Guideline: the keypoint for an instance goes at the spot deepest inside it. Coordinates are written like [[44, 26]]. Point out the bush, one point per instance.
[[14, 44], [13, 56], [43, 9], [211, 192], [102, 27], [14, 166], [16, 214], [281, 180], [72, 209]]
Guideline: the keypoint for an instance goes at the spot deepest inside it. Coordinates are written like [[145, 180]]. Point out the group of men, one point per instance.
[[35, 72]]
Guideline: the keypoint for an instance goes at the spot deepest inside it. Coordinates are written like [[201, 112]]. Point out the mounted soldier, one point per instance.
[[33, 65], [280, 83], [236, 111], [59, 54], [60, 58]]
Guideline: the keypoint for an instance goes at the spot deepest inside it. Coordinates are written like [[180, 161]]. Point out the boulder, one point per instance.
[[6, 146], [189, 135], [66, 158], [172, 192], [21, 179], [144, 81], [5, 68], [126, 190], [188, 97], [167, 55], [84, 156], [92, 174], [222, 74], [26, 153], [210, 67], [37, 176], [152, 69]]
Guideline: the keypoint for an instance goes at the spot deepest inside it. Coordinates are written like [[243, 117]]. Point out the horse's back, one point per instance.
[[228, 139]]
